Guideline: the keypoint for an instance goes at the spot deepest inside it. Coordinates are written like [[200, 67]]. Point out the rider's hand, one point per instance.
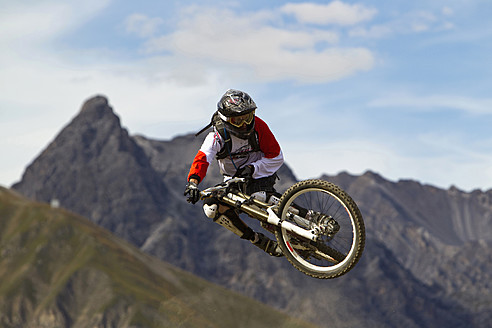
[[192, 192], [245, 172]]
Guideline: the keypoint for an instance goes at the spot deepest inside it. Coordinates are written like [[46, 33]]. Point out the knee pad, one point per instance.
[[260, 195], [211, 210]]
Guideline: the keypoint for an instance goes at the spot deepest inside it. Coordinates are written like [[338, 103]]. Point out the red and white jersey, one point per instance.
[[266, 162]]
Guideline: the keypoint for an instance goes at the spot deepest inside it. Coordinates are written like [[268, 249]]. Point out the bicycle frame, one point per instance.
[[257, 209]]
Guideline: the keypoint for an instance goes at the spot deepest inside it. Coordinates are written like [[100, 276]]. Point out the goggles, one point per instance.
[[238, 121]]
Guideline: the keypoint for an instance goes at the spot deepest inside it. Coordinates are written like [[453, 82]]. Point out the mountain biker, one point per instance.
[[244, 147]]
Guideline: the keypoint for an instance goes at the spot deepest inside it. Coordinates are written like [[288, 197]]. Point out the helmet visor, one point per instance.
[[238, 121]]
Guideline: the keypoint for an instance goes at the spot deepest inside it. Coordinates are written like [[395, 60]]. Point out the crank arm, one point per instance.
[[274, 219]]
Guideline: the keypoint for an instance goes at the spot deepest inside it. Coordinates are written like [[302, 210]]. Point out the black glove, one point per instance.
[[192, 192], [245, 172]]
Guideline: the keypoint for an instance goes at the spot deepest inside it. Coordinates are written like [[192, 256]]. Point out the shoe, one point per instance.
[[269, 246]]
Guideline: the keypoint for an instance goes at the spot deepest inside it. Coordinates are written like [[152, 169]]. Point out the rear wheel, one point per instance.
[[321, 205]]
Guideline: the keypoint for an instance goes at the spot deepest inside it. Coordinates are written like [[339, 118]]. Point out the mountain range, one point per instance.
[[427, 260]]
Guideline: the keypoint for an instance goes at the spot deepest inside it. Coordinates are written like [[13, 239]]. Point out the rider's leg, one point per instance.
[[263, 189], [229, 219], [269, 246]]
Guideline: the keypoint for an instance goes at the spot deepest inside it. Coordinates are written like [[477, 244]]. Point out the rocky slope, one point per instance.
[[427, 257], [443, 237], [58, 269]]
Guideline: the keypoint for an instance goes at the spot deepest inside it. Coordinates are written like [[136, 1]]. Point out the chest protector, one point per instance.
[[226, 149]]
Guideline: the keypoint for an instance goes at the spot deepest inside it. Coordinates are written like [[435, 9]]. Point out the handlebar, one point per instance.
[[223, 186]]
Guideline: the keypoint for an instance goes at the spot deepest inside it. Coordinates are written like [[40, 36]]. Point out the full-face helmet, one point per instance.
[[237, 110]]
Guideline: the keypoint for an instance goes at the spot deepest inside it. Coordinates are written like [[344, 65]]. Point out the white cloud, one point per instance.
[[252, 42], [141, 25], [332, 156], [422, 21], [447, 11], [482, 106], [376, 31], [452, 162], [406, 23], [447, 26], [457, 160], [38, 21], [336, 12]]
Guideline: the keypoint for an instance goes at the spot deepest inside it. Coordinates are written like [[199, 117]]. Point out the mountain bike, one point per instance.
[[318, 226]]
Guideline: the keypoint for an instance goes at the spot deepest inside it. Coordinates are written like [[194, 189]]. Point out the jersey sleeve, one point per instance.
[[211, 145], [273, 157]]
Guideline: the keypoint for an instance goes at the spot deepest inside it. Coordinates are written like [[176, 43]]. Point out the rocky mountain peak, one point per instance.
[[97, 114], [97, 103], [103, 168]]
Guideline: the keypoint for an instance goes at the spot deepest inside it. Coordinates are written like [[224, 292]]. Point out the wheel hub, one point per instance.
[[325, 224]]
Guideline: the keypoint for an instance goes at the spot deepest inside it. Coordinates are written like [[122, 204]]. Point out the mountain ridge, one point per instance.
[[417, 235]]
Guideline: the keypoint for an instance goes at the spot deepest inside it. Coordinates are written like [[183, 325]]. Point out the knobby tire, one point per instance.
[[344, 248]]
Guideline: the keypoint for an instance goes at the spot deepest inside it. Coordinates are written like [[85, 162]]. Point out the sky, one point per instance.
[[401, 88]]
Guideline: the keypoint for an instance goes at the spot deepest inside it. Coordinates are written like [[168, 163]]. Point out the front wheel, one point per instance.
[[325, 207]]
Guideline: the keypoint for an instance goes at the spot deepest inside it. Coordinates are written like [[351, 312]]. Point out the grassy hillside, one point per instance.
[[60, 270]]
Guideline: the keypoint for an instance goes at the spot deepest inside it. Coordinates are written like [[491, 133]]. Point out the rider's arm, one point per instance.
[[273, 157], [211, 145]]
